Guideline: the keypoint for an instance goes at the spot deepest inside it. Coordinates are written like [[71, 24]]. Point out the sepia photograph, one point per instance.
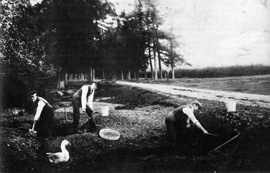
[[133, 86]]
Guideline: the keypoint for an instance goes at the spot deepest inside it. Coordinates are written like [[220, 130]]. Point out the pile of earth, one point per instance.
[[139, 117]]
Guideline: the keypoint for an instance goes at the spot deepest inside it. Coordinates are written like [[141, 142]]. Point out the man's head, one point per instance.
[[93, 86], [33, 95], [196, 105]]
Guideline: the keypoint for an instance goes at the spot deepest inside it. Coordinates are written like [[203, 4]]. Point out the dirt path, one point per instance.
[[241, 98]]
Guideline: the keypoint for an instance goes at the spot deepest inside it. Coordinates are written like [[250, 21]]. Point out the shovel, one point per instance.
[[211, 134], [32, 131], [238, 133]]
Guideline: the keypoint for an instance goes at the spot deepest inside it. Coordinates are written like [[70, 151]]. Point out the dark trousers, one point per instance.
[[76, 115], [178, 133], [45, 124]]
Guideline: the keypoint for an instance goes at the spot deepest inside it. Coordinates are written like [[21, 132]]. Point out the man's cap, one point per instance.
[[32, 92], [196, 102]]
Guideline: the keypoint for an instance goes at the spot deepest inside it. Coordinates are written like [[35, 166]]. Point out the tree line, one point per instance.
[[63, 38]]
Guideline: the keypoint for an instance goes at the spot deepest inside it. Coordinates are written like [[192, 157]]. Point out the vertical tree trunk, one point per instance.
[[61, 79], [172, 66], [122, 75], [66, 78], [145, 74], [58, 76], [171, 58], [91, 74], [159, 60], [82, 75], [128, 75], [150, 60], [155, 60], [94, 74]]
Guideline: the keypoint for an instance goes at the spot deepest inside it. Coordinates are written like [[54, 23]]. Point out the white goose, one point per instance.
[[60, 156]]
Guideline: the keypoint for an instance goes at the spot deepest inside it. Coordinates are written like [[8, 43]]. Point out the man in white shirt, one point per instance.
[[44, 116], [178, 121], [83, 98]]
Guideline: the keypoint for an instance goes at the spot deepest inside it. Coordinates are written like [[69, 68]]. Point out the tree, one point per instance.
[[74, 26], [173, 58], [23, 62]]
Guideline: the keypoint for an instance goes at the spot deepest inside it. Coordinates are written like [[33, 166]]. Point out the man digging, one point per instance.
[[44, 116], [180, 122], [83, 98]]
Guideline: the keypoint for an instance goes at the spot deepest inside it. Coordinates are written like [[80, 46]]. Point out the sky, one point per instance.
[[216, 33]]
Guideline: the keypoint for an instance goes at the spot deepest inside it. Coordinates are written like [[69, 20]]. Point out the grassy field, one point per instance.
[[245, 84]]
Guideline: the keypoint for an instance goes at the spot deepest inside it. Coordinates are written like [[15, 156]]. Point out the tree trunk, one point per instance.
[[94, 74], [90, 74], [134, 75], [61, 79], [122, 75], [58, 76], [66, 78], [159, 60], [145, 74], [150, 60], [173, 77], [155, 61], [128, 75], [82, 75], [172, 60]]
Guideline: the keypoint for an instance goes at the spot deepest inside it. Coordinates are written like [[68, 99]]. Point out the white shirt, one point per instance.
[[40, 107], [89, 100], [189, 111]]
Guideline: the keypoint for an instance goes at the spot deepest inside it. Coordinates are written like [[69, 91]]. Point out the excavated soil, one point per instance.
[[143, 147]]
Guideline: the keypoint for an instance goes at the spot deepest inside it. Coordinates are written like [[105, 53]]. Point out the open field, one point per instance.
[[245, 84]]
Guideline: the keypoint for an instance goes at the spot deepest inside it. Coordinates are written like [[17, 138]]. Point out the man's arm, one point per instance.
[[83, 97], [90, 100], [190, 114], [40, 107], [198, 124]]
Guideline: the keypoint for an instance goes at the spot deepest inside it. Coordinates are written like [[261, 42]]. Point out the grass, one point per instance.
[[246, 84]]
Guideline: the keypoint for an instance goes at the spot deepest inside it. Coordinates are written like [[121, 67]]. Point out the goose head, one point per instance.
[[64, 143]]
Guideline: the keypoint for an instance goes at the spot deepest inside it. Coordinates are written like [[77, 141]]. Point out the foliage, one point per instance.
[[223, 71], [76, 35], [22, 45], [22, 60], [125, 47]]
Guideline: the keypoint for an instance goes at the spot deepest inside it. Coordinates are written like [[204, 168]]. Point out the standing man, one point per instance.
[[178, 122], [44, 116], [83, 98]]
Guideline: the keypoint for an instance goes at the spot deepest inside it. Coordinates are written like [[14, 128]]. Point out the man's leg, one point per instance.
[[171, 133], [89, 112], [50, 122], [76, 113]]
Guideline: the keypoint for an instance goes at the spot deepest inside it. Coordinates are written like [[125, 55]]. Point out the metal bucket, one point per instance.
[[105, 111], [230, 106]]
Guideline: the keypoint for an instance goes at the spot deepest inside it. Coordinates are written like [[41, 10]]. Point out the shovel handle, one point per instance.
[[34, 124], [211, 134]]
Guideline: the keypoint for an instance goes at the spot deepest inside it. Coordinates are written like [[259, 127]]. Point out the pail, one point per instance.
[[230, 106], [104, 111]]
